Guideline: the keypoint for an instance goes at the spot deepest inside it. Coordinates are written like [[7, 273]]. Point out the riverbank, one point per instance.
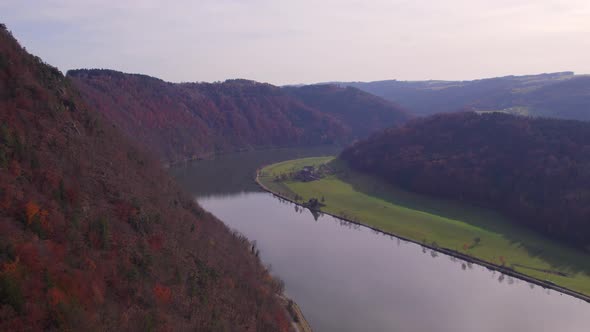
[[298, 320], [480, 240], [304, 151]]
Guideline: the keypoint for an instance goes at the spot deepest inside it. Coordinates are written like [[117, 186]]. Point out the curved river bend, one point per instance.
[[350, 278]]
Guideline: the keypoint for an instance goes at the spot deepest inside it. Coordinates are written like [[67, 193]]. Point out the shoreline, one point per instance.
[[166, 164], [446, 251], [297, 318]]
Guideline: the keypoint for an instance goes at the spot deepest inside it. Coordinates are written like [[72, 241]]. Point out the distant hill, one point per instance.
[[180, 121], [558, 95], [361, 112], [535, 170], [94, 236]]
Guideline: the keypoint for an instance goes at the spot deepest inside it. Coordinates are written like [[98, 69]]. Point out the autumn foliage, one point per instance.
[[180, 121], [533, 169], [95, 236], [32, 211], [163, 294]]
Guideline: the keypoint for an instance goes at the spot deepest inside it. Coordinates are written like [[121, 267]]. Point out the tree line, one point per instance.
[[533, 169]]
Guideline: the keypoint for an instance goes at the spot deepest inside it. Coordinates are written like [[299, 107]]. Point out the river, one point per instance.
[[349, 278]]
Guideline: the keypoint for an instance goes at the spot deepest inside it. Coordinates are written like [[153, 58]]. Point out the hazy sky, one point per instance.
[[306, 41]]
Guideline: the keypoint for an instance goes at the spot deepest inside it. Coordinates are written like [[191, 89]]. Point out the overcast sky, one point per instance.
[[307, 41]]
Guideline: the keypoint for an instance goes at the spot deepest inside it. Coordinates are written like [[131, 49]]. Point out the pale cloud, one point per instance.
[[307, 40]]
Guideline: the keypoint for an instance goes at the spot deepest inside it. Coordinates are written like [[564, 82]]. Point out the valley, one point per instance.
[[176, 166], [348, 277], [457, 229]]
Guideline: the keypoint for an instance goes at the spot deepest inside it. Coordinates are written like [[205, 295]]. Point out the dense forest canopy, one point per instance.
[[95, 236], [180, 121], [536, 170], [361, 112]]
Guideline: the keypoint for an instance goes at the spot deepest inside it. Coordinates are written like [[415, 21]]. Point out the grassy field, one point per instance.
[[473, 231]]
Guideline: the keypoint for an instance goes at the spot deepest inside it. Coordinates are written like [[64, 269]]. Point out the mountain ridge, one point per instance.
[[187, 120], [524, 95]]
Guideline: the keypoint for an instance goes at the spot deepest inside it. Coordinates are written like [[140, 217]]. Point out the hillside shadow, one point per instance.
[[558, 255], [234, 173]]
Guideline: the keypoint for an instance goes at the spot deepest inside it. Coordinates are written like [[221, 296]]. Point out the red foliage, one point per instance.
[[31, 211], [57, 251], [283, 322], [125, 210], [55, 296], [156, 242], [15, 168], [29, 257], [72, 195], [181, 121], [52, 178], [64, 161], [163, 294], [10, 267], [5, 198], [90, 264]]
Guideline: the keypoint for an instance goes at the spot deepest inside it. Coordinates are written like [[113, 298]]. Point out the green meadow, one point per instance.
[[470, 230]]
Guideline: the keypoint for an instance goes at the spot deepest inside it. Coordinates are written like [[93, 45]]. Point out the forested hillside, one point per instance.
[[361, 112], [557, 95], [536, 170], [180, 121], [95, 236]]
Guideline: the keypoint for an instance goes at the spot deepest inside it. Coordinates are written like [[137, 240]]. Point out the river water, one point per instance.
[[350, 278]]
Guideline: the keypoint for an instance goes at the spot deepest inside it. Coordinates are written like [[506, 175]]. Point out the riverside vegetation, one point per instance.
[[468, 230]]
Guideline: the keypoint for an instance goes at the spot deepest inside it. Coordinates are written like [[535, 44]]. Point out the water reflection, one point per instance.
[[234, 173], [350, 278]]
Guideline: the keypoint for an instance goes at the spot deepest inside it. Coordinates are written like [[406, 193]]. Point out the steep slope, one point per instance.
[[361, 112], [535, 170], [180, 121], [95, 236], [558, 95]]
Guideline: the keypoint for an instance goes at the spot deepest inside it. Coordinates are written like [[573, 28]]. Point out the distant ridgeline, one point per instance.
[[95, 236], [557, 95], [536, 170], [180, 121]]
